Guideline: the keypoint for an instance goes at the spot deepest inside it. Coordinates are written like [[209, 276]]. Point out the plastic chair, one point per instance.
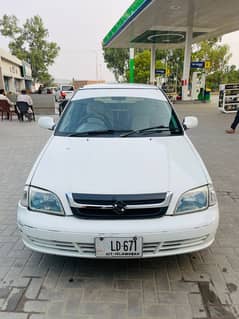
[[5, 108]]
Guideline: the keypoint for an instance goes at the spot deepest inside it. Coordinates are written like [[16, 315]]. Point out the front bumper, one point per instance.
[[70, 236]]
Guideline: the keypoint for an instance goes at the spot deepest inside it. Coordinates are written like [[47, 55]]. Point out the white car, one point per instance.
[[119, 178], [64, 91]]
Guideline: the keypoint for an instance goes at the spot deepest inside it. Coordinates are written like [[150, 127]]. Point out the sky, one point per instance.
[[78, 27]]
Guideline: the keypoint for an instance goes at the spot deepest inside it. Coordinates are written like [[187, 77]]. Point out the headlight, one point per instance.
[[44, 201], [193, 201], [212, 199], [24, 200]]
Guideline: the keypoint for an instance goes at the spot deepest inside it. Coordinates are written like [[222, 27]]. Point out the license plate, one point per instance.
[[122, 247]]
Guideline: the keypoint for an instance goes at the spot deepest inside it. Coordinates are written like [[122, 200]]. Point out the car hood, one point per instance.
[[119, 165]]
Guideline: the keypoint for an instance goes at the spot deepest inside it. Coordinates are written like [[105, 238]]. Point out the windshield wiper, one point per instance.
[[151, 130], [89, 133]]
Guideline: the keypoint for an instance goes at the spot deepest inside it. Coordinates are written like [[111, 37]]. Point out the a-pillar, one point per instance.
[[187, 63], [152, 65]]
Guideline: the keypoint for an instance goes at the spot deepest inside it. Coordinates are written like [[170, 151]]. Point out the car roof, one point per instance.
[[118, 86], [136, 90]]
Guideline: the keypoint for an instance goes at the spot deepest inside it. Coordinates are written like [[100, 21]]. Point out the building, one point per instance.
[[80, 83], [15, 75]]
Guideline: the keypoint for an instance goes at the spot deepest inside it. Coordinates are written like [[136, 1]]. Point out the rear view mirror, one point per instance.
[[46, 122], [190, 122]]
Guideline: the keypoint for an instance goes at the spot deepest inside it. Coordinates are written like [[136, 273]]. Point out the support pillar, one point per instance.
[[187, 63], [152, 65], [131, 65]]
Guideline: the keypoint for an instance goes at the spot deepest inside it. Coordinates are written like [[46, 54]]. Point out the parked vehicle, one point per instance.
[[119, 178], [64, 92], [49, 90]]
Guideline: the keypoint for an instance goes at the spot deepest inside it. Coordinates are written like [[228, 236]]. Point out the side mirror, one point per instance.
[[190, 122], [46, 122]]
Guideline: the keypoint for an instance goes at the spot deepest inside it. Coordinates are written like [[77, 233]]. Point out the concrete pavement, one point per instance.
[[200, 285]]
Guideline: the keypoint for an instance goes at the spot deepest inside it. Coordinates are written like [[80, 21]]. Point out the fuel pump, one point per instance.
[[198, 85]]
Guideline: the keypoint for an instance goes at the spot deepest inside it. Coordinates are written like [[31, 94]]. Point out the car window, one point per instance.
[[120, 114], [67, 88]]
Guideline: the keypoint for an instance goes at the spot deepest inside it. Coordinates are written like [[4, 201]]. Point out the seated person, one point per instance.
[[4, 97], [12, 96], [23, 97]]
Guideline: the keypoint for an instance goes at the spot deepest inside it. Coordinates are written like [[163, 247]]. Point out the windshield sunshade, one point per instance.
[[116, 115]]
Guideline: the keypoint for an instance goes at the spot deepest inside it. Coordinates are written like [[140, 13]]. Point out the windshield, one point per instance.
[[116, 115]]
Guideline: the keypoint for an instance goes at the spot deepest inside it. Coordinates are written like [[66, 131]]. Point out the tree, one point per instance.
[[211, 50], [208, 50], [142, 66], [231, 75], [219, 56], [173, 61], [117, 61], [29, 43]]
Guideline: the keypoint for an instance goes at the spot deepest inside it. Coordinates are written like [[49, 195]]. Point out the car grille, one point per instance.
[[173, 245], [138, 206], [88, 213], [62, 246], [88, 249]]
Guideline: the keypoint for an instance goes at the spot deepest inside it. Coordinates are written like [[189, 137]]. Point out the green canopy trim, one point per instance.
[[136, 7]]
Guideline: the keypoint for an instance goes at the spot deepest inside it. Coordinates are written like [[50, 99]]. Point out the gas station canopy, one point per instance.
[[164, 23], [172, 24]]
